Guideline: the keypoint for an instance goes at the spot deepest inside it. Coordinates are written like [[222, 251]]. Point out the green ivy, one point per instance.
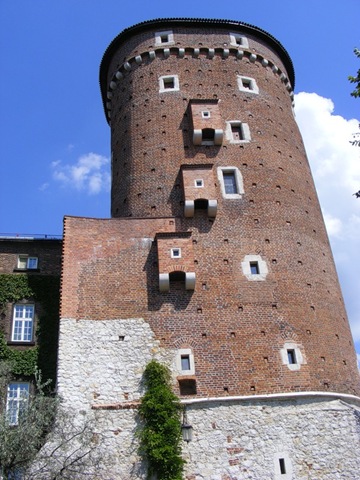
[[160, 434], [45, 290]]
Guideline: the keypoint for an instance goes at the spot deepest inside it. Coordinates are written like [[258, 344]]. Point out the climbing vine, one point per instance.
[[160, 434], [45, 290]]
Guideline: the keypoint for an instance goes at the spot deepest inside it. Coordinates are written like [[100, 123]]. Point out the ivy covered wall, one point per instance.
[[43, 290]]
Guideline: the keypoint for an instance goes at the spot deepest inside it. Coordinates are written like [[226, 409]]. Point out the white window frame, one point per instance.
[[245, 131], [238, 180], [206, 114], [201, 181], [162, 82], [242, 81], [234, 37], [23, 325], [16, 400], [173, 250], [25, 262], [262, 267], [299, 359], [159, 35], [181, 353]]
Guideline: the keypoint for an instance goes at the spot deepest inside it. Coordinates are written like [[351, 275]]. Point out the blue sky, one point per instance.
[[55, 141]]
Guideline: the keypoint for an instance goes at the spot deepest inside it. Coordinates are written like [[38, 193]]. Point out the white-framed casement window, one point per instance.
[[169, 83], [27, 263], [237, 132], [291, 356], [164, 38], [175, 252], [23, 323], [16, 401], [254, 268], [247, 84], [231, 182], [185, 361], [238, 40]]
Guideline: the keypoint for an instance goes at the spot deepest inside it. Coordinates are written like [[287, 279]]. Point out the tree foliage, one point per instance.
[[355, 80], [160, 434]]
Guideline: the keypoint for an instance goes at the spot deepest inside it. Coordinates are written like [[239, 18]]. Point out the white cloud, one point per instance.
[[89, 173], [335, 164]]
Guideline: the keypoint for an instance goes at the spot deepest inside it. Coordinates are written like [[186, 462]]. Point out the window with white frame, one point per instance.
[[27, 263], [164, 38], [247, 84], [237, 132], [238, 40], [169, 83], [185, 361], [23, 323], [199, 183], [205, 114], [176, 253], [291, 356], [254, 267], [16, 402], [231, 182]]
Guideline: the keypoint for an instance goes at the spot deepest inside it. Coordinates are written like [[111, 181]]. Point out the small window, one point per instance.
[[205, 114], [230, 182], [282, 466], [169, 83], [291, 356], [236, 132], [199, 183], [239, 40], [247, 84], [254, 268], [17, 398], [27, 263], [23, 322], [164, 38], [176, 253], [185, 362]]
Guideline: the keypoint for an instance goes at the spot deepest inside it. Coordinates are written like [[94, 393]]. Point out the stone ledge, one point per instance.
[[117, 406]]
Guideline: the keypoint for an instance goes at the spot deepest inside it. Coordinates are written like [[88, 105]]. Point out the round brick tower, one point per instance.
[[203, 132]]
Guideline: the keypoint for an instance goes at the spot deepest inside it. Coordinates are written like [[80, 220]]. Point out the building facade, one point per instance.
[[215, 261]]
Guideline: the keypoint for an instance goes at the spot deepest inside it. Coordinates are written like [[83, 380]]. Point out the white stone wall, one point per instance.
[[101, 364]]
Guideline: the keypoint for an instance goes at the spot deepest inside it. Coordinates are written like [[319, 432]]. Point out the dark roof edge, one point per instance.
[[159, 22]]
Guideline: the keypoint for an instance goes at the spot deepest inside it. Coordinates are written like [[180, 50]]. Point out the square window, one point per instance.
[[17, 398], [236, 131], [176, 253], [254, 268], [169, 83], [185, 362], [230, 182], [239, 40], [205, 114], [291, 356], [27, 263], [247, 84], [166, 37], [199, 183], [23, 322]]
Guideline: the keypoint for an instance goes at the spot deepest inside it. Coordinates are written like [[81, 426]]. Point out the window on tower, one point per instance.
[[16, 401], [254, 268], [231, 182], [169, 83], [164, 38], [237, 132], [247, 84], [238, 40]]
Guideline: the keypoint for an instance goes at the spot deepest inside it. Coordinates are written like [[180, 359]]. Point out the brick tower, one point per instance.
[[216, 261]]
